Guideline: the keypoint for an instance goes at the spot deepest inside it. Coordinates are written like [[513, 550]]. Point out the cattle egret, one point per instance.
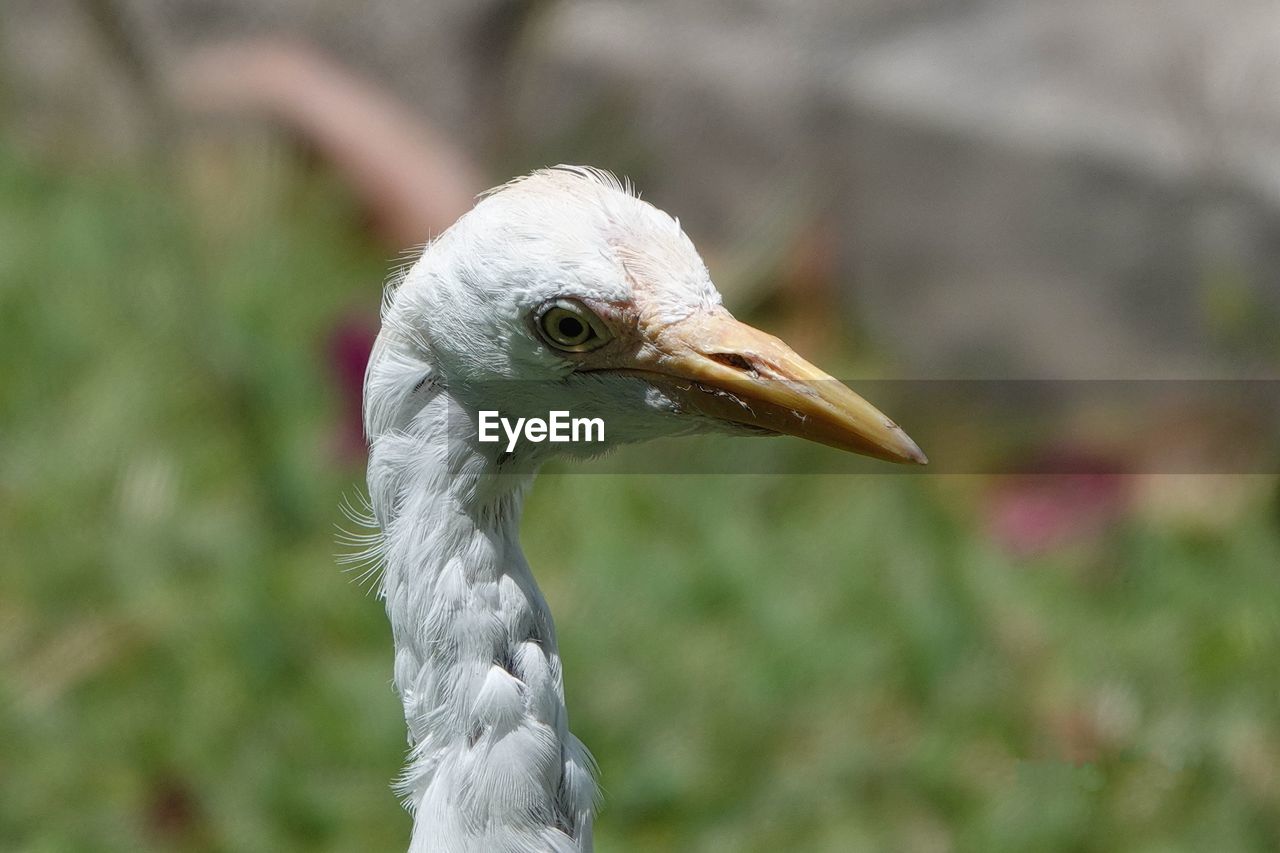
[[560, 291]]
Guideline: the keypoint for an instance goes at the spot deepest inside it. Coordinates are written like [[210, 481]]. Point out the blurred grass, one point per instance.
[[759, 663]]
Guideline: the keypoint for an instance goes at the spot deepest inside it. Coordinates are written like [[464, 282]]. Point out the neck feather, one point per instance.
[[492, 766]]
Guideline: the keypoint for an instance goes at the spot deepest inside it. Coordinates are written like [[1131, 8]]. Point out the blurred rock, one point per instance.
[[1061, 188]]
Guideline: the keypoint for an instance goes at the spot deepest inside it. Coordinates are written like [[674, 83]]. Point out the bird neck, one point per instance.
[[492, 765]]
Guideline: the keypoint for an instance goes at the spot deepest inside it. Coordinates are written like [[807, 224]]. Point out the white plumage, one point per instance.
[[493, 766]]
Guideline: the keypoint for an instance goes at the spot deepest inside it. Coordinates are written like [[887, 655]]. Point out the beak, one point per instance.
[[717, 366]]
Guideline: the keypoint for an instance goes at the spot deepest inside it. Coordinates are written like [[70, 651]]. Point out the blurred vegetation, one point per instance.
[[759, 663]]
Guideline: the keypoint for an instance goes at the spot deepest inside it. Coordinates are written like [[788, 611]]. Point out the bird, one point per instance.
[[558, 291]]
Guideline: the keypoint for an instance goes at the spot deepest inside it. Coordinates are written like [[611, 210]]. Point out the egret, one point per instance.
[[559, 291]]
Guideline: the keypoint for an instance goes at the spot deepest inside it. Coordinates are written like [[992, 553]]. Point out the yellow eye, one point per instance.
[[567, 325]]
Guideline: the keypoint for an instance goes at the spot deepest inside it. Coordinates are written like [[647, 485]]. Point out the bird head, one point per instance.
[[564, 291]]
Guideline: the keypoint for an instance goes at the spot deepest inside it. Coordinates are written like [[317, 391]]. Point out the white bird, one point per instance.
[[558, 291]]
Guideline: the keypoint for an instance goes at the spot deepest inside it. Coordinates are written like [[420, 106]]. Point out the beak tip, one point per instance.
[[911, 451]]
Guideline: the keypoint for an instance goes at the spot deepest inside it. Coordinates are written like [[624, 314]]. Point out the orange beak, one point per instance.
[[717, 366]]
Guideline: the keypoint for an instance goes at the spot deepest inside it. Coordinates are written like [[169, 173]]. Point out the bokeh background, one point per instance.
[[200, 201]]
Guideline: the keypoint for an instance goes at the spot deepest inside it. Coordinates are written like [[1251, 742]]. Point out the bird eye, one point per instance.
[[567, 325]]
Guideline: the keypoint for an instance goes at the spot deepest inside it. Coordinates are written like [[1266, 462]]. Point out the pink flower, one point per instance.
[[349, 346], [1072, 496]]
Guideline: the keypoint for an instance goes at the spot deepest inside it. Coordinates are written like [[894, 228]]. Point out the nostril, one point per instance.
[[736, 361]]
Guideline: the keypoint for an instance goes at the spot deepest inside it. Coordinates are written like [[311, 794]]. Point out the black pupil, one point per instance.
[[570, 327]]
